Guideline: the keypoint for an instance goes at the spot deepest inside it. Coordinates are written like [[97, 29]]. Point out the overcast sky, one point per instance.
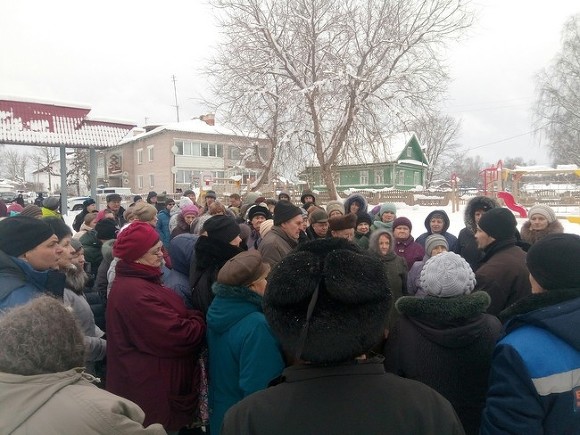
[[118, 57]]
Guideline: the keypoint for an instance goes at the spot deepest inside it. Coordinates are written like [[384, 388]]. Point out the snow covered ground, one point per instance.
[[417, 215]]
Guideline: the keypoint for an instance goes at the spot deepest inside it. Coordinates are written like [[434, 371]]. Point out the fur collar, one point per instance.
[[537, 301], [533, 236], [444, 310], [237, 292]]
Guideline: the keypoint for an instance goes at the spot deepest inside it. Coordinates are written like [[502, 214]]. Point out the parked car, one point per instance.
[[76, 202], [8, 196]]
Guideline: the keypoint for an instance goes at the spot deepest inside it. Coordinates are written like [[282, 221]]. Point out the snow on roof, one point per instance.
[[21, 99], [541, 168], [367, 154]]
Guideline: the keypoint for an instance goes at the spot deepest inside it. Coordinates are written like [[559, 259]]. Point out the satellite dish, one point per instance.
[[125, 181], [125, 174]]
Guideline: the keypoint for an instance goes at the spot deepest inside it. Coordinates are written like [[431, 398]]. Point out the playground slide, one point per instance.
[[510, 203], [574, 219]]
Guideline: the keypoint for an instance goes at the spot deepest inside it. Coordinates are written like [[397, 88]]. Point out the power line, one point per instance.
[[506, 139]]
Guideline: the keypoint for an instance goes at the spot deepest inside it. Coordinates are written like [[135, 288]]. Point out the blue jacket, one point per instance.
[[244, 356], [162, 226], [181, 249], [19, 282], [451, 239], [534, 383]]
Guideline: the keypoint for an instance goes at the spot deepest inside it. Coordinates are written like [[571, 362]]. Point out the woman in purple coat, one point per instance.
[[405, 245]]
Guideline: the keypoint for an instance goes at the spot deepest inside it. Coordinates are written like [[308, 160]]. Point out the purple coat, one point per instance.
[[410, 250]]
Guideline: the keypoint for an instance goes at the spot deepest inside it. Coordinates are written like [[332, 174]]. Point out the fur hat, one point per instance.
[[317, 216], [106, 229], [40, 337], [335, 206], [243, 269], [499, 223], [402, 221], [434, 240], [60, 229], [328, 302], [134, 241], [258, 210], [221, 227], [337, 223], [553, 261], [544, 210], [31, 210], [363, 217], [51, 203], [284, 211], [447, 275], [20, 234], [144, 211]]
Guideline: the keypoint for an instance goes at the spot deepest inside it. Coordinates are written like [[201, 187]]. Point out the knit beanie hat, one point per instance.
[[243, 269], [433, 241], [76, 244], [499, 223], [447, 275], [337, 223], [265, 227], [184, 201], [211, 194], [134, 241], [553, 261], [106, 229], [328, 301], [317, 216], [60, 229], [31, 210], [335, 206], [137, 198], [387, 206], [51, 203], [144, 211], [402, 221], [88, 202], [150, 195], [543, 210], [20, 234], [363, 217], [284, 211], [221, 227], [189, 210], [258, 210]]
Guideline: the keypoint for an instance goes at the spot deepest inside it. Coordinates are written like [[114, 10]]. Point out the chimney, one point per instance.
[[209, 119]]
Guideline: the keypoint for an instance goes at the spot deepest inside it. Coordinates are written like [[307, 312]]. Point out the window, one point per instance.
[[378, 177], [401, 177], [197, 149], [234, 153], [150, 153], [140, 181], [363, 177], [416, 178], [151, 180], [184, 176], [140, 156], [409, 152]]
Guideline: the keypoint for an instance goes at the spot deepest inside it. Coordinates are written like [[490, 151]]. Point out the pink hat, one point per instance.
[[189, 210]]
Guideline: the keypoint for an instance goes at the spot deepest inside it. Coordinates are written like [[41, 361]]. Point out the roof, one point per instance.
[[367, 154], [25, 121]]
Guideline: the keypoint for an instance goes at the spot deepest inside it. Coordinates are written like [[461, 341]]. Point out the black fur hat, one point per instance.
[[328, 302]]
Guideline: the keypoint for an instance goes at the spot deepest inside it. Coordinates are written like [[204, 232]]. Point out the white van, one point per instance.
[[119, 190]]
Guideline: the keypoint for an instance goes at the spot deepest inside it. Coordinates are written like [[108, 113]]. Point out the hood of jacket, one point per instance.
[[532, 237], [477, 203], [355, 197], [446, 220], [231, 304], [181, 250], [454, 322], [374, 241], [22, 396]]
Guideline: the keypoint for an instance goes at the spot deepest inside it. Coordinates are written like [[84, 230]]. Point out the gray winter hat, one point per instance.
[[447, 275], [433, 241]]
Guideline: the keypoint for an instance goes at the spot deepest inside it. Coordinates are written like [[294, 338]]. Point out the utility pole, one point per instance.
[[175, 93]]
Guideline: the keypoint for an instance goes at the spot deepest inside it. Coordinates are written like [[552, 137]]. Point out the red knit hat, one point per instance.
[[134, 241]]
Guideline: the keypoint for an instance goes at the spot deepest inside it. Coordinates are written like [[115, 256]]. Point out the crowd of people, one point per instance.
[[254, 315]]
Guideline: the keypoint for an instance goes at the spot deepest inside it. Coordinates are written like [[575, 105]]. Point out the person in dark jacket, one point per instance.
[[445, 340], [181, 249], [437, 222], [466, 243], [92, 241], [152, 338], [221, 243], [244, 355], [434, 245], [89, 206], [318, 228], [534, 384], [355, 204], [284, 235], [362, 230], [405, 245], [114, 204], [162, 224], [327, 303], [502, 272]]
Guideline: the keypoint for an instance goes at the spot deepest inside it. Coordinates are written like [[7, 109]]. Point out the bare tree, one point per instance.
[[438, 134], [43, 160], [468, 170], [325, 73], [79, 170], [13, 164], [558, 103]]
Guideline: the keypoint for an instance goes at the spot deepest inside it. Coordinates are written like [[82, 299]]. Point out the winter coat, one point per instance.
[[358, 198], [312, 235], [276, 245], [181, 227], [92, 247], [46, 212], [162, 226], [410, 250], [378, 224], [531, 236], [451, 239], [446, 343], [534, 383], [20, 282], [82, 231], [503, 275], [351, 398], [95, 344], [244, 356], [362, 240], [210, 255], [66, 403], [80, 219], [152, 344], [466, 243], [181, 250]]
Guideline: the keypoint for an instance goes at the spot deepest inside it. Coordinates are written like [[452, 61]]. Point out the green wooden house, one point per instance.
[[402, 166]]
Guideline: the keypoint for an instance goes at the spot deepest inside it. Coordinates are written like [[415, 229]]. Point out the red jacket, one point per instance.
[[152, 344]]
